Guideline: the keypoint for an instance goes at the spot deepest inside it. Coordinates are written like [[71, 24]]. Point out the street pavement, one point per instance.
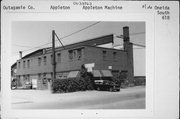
[[128, 98]]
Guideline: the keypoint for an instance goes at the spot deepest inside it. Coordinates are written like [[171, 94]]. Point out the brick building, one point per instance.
[[36, 67]]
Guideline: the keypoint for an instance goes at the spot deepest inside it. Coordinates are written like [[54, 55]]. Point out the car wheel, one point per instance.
[[98, 88], [110, 89]]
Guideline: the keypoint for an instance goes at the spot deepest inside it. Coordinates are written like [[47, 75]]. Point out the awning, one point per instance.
[[106, 73], [73, 74], [96, 73]]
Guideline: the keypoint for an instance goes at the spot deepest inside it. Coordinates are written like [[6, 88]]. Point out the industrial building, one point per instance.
[[37, 67]]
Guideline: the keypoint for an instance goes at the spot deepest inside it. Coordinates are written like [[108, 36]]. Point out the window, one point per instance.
[[114, 56], [39, 76], [28, 63], [51, 59], [39, 61], [24, 64], [45, 60], [74, 54], [19, 65], [59, 57], [79, 52], [64, 75], [104, 55], [70, 54], [44, 79]]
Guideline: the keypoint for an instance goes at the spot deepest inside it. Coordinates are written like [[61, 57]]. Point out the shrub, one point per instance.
[[73, 84]]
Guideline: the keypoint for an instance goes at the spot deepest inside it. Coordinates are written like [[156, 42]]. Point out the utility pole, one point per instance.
[[53, 56]]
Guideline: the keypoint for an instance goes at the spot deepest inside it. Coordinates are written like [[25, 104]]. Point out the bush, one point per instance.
[[73, 84]]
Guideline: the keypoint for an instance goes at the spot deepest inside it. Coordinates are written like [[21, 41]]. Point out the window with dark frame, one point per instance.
[[39, 61], [70, 55], [24, 64], [104, 54], [79, 53], [45, 60], [51, 58], [59, 57], [19, 65], [74, 54], [28, 63], [114, 56]]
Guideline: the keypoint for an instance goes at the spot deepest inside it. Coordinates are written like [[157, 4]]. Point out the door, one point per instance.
[[34, 83]]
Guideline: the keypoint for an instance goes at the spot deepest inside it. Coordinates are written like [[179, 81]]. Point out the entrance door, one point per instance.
[[34, 83]]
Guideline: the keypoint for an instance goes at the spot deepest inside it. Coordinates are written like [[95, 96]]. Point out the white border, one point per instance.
[[6, 42]]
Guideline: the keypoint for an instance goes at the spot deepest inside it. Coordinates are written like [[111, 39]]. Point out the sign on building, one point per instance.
[[90, 67]]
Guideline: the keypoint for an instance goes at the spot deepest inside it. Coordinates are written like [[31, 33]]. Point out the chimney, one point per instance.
[[20, 54], [128, 47], [126, 33]]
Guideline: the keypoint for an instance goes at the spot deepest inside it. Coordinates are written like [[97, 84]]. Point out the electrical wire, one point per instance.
[[73, 34], [63, 36]]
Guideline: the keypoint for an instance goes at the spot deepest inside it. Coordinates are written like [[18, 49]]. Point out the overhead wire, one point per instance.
[[73, 34], [64, 36]]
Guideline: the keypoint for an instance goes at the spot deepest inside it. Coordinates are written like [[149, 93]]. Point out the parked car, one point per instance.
[[106, 85], [103, 80], [28, 85], [13, 84]]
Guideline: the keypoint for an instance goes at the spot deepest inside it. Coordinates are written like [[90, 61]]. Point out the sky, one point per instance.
[[28, 36]]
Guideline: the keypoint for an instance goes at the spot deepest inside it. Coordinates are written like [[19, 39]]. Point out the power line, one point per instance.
[[59, 40], [80, 30], [64, 36], [132, 34]]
